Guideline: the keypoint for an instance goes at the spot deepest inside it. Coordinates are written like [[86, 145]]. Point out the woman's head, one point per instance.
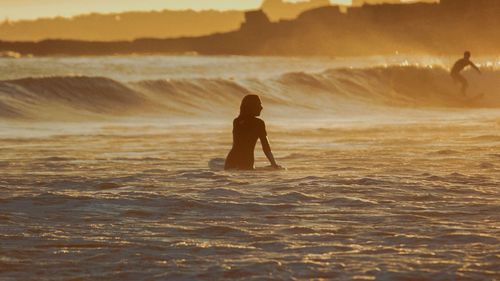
[[250, 106]]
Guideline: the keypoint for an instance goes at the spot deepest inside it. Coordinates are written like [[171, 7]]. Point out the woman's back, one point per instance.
[[246, 131]]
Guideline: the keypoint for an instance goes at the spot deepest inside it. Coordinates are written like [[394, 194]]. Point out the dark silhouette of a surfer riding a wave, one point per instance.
[[460, 65]]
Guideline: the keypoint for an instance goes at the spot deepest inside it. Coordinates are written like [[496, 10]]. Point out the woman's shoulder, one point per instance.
[[249, 122], [258, 121], [249, 119]]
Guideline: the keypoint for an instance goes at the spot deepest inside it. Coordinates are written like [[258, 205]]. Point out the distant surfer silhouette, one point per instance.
[[247, 128], [458, 67]]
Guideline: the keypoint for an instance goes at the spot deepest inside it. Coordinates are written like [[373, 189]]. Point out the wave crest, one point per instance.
[[331, 90], [67, 97]]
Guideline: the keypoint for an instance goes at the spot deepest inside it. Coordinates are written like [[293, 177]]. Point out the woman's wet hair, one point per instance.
[[248, 105]]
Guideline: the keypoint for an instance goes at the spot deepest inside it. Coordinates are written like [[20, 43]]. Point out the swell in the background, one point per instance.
[[335, 91]]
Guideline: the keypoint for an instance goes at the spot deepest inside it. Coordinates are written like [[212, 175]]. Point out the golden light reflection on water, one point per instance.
[[359, 201]]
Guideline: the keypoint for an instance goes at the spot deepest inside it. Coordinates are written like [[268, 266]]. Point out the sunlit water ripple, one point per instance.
[[386, 202]]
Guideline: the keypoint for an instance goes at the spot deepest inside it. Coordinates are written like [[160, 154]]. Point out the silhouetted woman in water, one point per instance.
[[247, 128]]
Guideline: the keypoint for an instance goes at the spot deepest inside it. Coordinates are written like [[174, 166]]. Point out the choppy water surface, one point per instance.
[[104, 170], [387, 202]]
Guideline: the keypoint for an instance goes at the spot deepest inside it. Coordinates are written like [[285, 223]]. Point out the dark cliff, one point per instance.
[[449, 27]]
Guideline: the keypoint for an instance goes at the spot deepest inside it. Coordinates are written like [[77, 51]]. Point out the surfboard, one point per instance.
[[217, 164], [270, 168]]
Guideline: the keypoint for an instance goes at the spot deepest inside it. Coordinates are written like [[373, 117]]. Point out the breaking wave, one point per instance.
[[334, 90], [58, 97]]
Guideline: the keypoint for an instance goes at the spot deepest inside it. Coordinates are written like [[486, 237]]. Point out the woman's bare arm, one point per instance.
[[267, 151]]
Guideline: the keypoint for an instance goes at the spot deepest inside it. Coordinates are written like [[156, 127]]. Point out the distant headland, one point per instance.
[[146, 24], [447, 27]]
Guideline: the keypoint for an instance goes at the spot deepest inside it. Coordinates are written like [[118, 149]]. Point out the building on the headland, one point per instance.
[[285, 10], [255, 20]]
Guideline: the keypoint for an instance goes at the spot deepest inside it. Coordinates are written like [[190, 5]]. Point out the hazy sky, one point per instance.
[[29, 9]]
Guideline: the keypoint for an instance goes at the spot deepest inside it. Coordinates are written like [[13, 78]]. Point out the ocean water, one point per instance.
[[107, 170]]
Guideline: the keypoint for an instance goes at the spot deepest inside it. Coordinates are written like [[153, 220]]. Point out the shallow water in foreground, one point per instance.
[[407, 201]]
